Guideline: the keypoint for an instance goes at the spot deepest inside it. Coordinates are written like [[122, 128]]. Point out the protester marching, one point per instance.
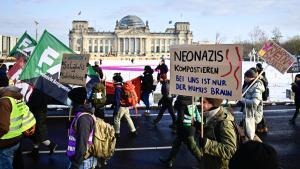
[[199, 84]]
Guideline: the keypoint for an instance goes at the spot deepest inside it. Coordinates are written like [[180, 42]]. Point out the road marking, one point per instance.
[[167, 114], [117, 149]]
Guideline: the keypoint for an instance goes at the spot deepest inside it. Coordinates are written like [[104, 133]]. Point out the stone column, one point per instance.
[[140, 49]]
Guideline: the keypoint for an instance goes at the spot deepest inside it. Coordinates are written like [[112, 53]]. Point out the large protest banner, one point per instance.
[[24, 46], [206, 70], [43, 67], [74, 69], [276, 56]]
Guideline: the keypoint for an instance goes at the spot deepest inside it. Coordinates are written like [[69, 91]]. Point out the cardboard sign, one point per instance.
[[74, 69], [276, 56], [213, 71]]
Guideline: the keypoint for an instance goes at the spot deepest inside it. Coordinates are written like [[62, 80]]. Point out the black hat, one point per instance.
[[297, 76], [259, 66], [251, 73], [117, 78], [254, 155], [148, 69], [78, 95]]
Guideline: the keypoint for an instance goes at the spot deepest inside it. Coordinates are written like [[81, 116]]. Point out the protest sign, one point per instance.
[[74, 69], [213, 71], [276, 56]]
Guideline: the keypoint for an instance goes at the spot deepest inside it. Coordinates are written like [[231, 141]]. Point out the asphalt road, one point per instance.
[[143, 151]]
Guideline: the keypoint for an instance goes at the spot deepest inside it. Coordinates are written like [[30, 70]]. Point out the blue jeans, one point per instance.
[[7, 156], [88, 163], [145, 99]]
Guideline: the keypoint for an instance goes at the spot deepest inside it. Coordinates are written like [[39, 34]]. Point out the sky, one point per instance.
[[232, 19]]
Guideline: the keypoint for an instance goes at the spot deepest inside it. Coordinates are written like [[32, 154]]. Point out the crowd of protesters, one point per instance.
[[217, 148]]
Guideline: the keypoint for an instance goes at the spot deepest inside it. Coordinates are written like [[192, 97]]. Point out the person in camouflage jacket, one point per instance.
[[219, 142]]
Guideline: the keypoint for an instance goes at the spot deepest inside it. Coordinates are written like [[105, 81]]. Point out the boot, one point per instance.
[[52, 146], [133, 133]]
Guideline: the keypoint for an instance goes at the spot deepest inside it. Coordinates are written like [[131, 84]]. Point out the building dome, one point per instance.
[[131, 21]]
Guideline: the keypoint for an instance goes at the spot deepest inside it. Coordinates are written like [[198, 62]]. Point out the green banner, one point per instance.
[[24, 46], [46, 58]]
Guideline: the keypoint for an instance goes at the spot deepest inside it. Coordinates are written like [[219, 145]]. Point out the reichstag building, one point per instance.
[[132, 37]]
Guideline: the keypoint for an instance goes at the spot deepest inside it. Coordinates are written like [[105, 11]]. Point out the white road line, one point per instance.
[[117, 149], [167, 114]]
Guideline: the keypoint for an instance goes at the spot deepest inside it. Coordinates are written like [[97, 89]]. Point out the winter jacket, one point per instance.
[[85, 125], [147, 82], [221, 142], [296, 90], [162, 68], [253, 102], [38, 102], [98, 70], [117, 97], [5, 111]]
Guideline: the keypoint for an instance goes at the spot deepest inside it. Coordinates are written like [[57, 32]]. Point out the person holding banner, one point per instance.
[[37, 104], [185, 130], [296, 90], [219, 142], [252, 101]]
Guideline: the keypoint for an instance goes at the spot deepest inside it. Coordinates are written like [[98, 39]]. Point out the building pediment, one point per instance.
[[132, 31]]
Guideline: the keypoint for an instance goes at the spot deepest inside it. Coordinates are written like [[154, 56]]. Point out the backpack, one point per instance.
[[104, 140], [241, 136], [128, 95], [99, 95]]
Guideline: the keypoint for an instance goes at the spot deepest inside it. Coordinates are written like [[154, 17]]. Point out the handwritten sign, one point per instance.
[[206, 70], [74, 69], [295, 68], [276, 56]]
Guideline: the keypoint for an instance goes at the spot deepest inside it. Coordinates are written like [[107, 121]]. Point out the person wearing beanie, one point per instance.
[[147, 87], [254, 155], [252, 101], [166, 101], [120, 109], [82, 131], [262, 126], [296, 90]]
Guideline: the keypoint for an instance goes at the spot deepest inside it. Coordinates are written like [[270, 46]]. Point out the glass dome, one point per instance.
[[131, 21]]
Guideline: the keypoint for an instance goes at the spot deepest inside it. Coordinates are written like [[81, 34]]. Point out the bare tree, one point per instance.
[[219, 38], [292, 45], [257, 37], [276, 35]]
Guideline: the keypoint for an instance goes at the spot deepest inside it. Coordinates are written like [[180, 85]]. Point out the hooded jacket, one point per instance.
[[221, 142], [253, 102], [6, 108]]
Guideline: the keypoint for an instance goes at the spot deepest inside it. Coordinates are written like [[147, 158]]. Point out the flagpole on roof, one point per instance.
[[36, 30]]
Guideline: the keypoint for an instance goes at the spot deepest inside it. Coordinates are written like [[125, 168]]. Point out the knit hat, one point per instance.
[[148, 69], [253, 154], [259, 66], [117, 78], [78, 95], [250, 73], [215, 102], [9, 88]]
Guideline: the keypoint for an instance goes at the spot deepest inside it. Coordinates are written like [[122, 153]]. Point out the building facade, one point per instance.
[[131, 37], [7, 43]]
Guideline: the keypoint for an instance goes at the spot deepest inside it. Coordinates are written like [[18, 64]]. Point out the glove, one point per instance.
[[202, 142], [30, 131]]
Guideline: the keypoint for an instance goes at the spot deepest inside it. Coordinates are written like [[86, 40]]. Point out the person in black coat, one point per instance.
[[296, 90], [37, 104], [147, 88], [162, 68]]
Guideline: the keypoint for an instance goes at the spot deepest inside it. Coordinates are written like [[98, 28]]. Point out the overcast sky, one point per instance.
[[233, 19]]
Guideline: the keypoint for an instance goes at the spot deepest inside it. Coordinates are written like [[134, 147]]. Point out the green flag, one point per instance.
[[43, 67], [24, 46]]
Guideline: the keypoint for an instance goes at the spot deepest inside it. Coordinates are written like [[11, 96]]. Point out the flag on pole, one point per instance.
[[170, 22], [43, 67], [79, 13], [24, 46], [36, 22]]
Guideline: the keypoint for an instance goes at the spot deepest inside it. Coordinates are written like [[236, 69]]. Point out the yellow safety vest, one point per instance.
[[21, 119]]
